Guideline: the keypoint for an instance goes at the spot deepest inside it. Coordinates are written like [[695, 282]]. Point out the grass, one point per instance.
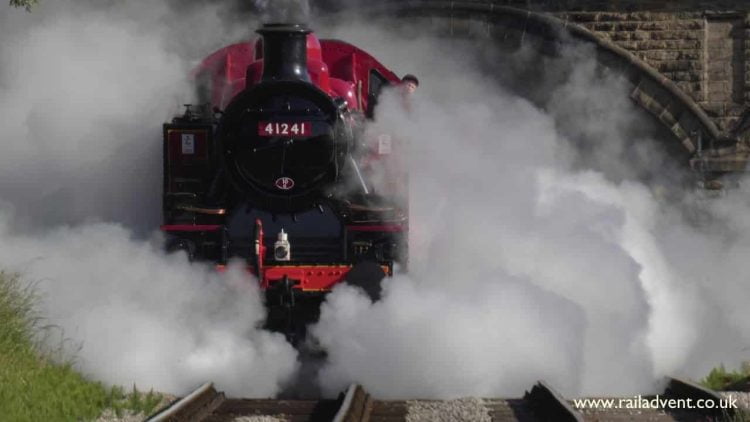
[[34, 387], [720, 379]]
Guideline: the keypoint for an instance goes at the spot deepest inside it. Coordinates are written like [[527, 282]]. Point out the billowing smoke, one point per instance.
[[283, 11], [537, 250], [131, 315], [84, 89]]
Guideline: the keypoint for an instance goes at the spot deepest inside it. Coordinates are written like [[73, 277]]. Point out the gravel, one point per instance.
[[469, 410], [109, 415]]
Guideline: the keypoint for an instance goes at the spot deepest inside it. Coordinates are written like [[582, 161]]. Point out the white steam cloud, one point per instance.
[[283, 11], [144, 318], [536, 251], [84, 88]]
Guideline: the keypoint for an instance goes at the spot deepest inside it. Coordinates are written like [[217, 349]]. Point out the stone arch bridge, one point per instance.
[[688, 62]]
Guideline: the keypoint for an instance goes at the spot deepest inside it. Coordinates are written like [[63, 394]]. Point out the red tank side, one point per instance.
[[352, 64], [231, 69], [223, 72], [384, 155]]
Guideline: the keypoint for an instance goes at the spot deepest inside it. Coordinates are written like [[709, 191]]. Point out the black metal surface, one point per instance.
[[254, 163], [367, 275], [290, 310], [284, 52], [192, 189], [683, 389], [550, 406]]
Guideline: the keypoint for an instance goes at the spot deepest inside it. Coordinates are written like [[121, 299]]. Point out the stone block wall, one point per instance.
[[696, 77], [706, 54]]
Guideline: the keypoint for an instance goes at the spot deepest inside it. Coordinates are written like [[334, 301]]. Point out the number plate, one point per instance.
[[290, 129]]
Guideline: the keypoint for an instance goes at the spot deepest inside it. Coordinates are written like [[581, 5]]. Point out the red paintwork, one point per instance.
[[190, 228], [336, 67], [311, 277], [352, 64], [224, 72]]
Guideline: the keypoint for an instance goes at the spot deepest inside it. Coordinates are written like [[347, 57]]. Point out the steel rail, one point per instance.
[[354, 405], [683, 389], [549, 405], [196, 406], [346, 404]]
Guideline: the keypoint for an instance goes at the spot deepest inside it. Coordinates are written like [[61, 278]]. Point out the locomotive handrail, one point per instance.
[[201, 210], [180, 195]]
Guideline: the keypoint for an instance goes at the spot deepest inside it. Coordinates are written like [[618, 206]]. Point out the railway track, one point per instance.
[[540, 403]]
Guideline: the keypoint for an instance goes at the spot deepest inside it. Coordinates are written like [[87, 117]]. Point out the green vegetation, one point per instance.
[[739, 415], [33, 387], [28, 4], [719, 378]]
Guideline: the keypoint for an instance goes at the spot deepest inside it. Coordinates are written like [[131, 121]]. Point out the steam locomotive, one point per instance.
[[275, 169]]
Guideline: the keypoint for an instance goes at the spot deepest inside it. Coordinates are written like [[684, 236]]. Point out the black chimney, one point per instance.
[[284, 52]]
